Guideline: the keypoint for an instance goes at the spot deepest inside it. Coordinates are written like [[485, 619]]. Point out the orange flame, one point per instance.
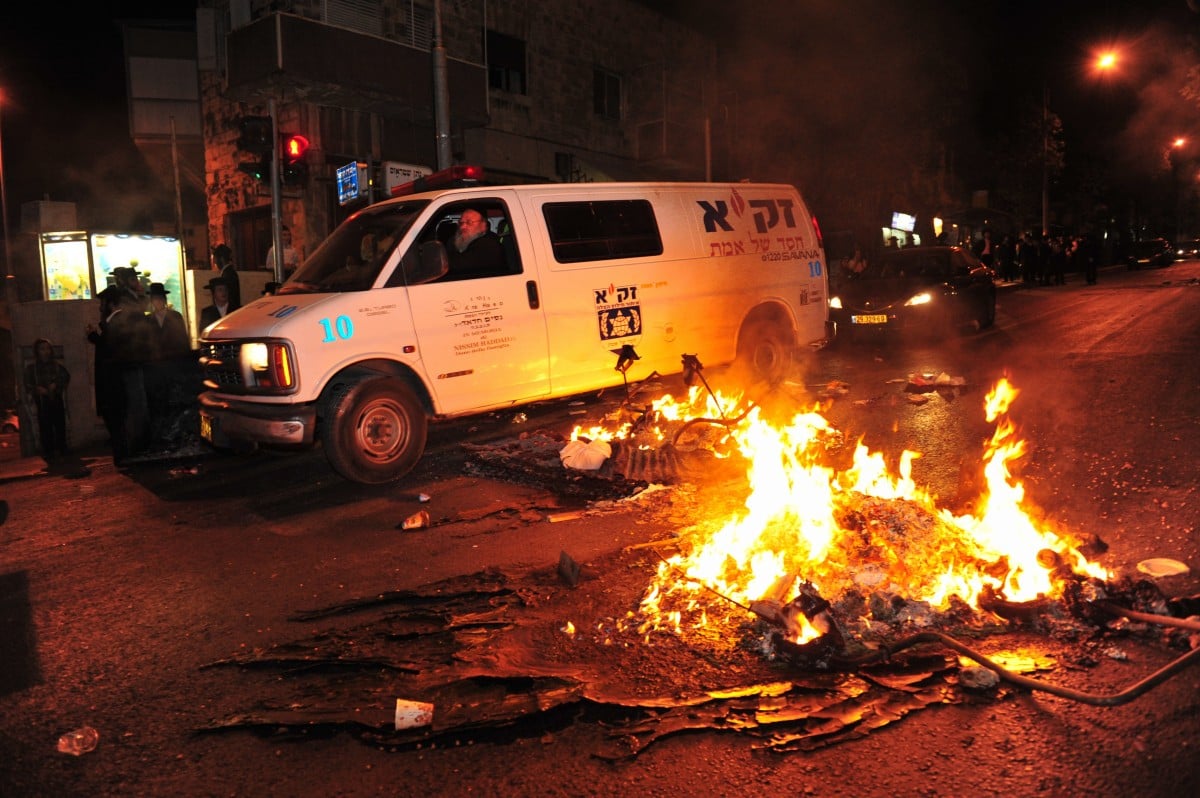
[[864, 528]]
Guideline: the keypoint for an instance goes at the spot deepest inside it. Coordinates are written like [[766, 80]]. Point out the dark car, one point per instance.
[[1153, 253], [921, 290]]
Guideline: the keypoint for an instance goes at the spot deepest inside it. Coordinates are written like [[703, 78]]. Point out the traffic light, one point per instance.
[[256, 135], [292, 149], [259, 170], [257, 139]]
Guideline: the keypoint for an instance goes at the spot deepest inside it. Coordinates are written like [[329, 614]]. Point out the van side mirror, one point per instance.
[[426, 264]]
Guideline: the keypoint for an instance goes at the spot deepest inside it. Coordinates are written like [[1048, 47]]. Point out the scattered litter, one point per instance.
[[413, 714], [570, 515], [79, 742], [928, 382], [585, 455], [835, 388], [418, 520], [568, 569], [422, 497], [578, 403], [978, 678], [568, 629], [182, 471], [1161, 566], [520, 418], [918, 398]]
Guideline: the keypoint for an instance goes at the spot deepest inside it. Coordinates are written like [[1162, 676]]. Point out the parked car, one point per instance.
[[1188, 249], [1153, 253], [930, 290]]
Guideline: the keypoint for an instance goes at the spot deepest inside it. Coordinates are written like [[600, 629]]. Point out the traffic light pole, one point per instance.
[[276, 199]]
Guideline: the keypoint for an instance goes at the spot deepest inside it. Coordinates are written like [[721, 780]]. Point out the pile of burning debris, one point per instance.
[[833, 575]]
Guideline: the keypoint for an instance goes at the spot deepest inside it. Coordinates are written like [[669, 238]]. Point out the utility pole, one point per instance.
[[276, 200], [441, 92], [1045, 161]]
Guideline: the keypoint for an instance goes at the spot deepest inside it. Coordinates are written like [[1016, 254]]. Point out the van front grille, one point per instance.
[[220, 363]]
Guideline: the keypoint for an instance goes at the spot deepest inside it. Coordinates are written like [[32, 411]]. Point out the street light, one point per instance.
[[1105, 61]]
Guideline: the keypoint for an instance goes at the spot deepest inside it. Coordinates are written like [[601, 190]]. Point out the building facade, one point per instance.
[[561, 90]]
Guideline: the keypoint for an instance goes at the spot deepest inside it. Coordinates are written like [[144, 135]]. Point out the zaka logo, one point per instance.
[[739, 204], [767, 213], [615, 294]]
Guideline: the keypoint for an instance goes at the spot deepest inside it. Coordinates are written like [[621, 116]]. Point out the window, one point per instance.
[[494, 255], [505, 62], [602, 230], [606, 94]]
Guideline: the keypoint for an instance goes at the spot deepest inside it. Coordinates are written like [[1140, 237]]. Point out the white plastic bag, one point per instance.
[[585, 455]]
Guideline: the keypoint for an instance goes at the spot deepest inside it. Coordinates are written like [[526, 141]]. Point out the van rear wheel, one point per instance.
[[765, 350], [375, 430]]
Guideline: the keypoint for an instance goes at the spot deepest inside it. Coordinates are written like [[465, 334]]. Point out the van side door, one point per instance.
[[481, 329]]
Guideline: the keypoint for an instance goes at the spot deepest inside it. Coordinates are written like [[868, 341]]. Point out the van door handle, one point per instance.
[[532, 292]]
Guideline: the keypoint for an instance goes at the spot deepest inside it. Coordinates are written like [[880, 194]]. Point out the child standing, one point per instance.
[[46, 383]]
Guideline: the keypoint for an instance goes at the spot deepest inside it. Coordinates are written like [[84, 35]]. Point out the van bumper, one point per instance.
[[225, 422]]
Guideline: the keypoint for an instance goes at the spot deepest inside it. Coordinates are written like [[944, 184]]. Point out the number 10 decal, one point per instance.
[[341, 329], [814, 268]]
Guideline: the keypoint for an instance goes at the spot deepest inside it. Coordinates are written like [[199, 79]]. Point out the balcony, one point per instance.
[[296, 58]]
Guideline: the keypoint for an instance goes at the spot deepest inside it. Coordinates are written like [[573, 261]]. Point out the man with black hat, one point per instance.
[[223, 262], [221, 305], [110, 384], [169, 372], [171, 335]]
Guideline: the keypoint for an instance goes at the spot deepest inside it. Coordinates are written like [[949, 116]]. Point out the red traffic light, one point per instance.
[[294, 147]]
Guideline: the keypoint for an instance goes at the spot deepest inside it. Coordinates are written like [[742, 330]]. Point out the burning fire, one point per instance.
[[862, 529]]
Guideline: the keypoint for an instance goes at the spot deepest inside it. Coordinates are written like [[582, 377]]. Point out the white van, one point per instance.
[[379, 332]]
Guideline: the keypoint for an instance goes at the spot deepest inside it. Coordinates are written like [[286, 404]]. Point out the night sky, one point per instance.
[[64, 118]]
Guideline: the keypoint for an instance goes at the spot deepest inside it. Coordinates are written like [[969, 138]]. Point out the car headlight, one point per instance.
[[923, 298], [267, 365], [835, 302]]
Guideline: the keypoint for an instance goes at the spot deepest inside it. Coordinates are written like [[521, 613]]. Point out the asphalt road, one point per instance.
[[119, 587]]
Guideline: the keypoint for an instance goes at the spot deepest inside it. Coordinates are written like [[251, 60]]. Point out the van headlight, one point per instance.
[[267, 365], [835, 302], [923, 298]]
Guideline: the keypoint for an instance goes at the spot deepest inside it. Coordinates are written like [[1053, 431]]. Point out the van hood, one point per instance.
[[265, 317]]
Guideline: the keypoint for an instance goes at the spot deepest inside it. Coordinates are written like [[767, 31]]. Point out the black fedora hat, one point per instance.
[[216, 281], [157, 289]]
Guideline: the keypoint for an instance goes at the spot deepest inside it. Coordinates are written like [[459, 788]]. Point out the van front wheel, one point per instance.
[[766, 350], [374, 432]]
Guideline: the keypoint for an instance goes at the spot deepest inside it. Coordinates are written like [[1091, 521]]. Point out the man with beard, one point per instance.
[[474, 250]]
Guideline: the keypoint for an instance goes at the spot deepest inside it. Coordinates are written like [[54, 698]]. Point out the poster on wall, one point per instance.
[[66, 268], [157, 259]]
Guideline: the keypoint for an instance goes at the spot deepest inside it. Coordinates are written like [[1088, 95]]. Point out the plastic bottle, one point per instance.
[[80, 741]]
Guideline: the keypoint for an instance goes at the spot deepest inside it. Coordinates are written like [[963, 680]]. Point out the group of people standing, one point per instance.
[[144, 362], [1038, 260], [146, 372]]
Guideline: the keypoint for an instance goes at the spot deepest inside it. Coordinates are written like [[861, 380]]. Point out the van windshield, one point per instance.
[[352, 257]]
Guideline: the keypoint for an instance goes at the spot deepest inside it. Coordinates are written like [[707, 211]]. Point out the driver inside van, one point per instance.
[[475, 249]]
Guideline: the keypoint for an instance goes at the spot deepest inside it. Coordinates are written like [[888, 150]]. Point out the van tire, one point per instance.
[[765, 350], [374, 432]]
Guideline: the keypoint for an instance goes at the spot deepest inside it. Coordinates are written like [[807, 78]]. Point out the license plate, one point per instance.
[[206, 427], [873, 318]]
